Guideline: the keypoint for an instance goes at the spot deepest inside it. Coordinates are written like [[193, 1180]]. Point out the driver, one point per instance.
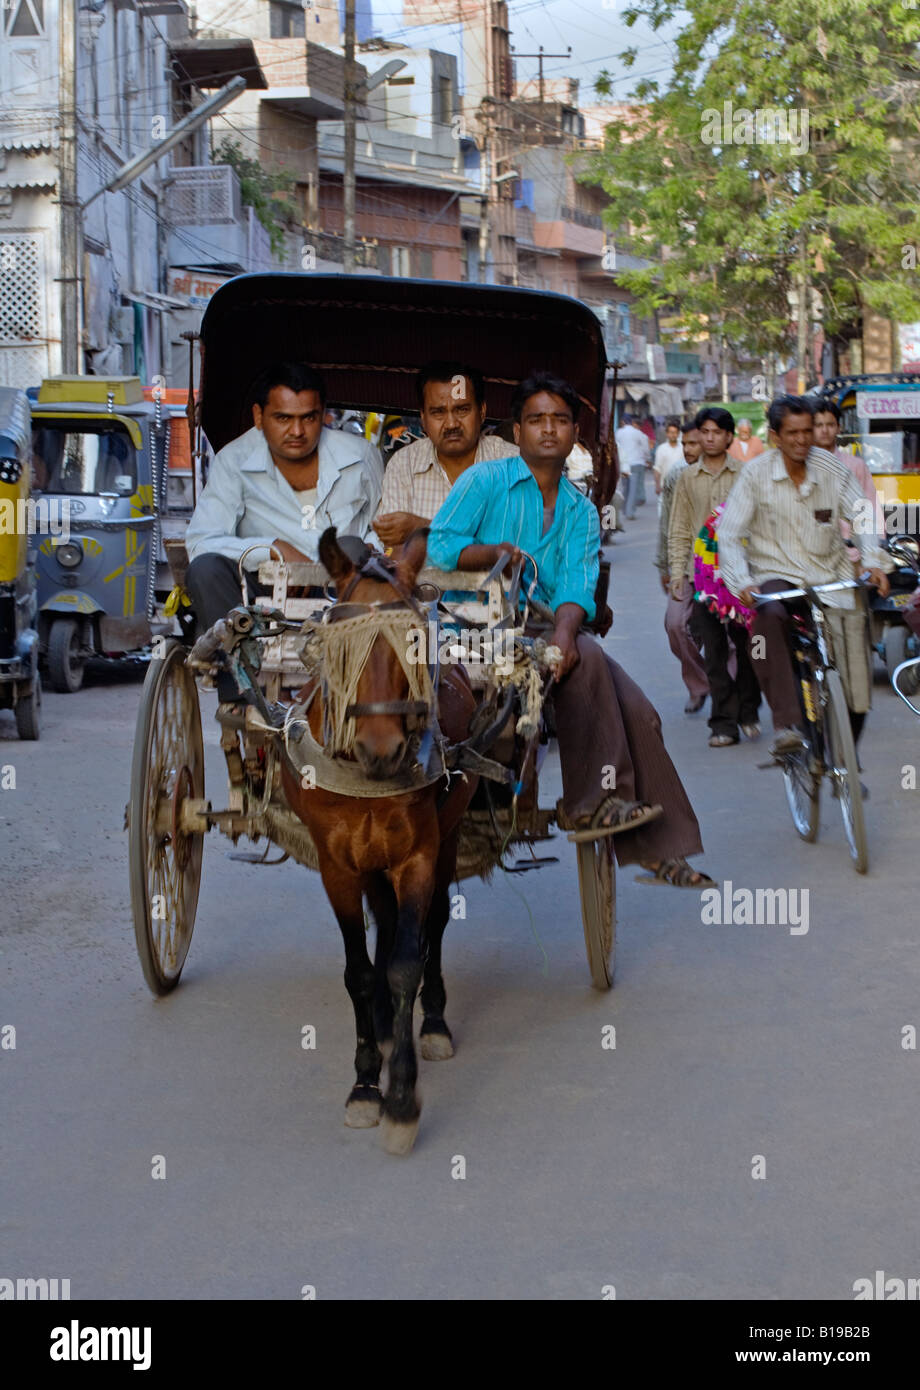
[[609, 734], [781, 530]]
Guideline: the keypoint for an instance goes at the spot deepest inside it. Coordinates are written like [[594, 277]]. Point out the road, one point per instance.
[[740, 1051]]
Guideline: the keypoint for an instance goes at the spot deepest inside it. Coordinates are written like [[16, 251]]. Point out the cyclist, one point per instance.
[[781, 530]]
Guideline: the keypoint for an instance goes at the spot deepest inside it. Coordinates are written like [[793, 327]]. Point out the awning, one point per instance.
[[34, 184], [160, 302], [662, 399]]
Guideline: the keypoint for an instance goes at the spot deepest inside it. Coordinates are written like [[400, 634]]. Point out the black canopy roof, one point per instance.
[[369, 335]]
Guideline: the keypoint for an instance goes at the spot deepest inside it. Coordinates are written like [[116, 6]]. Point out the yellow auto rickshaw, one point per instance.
[[20, 686]]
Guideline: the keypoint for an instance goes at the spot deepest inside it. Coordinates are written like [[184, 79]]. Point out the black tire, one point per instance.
[[165, 862], [896, 640], [843, 769], [64, 666], [597, 886], [802, 794], [29, 712]]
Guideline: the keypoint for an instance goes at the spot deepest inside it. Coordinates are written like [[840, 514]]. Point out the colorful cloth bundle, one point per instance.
[[707, 582]]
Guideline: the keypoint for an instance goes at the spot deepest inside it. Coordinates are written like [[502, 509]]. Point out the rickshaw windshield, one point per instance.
[[84, 457], [889, 445]]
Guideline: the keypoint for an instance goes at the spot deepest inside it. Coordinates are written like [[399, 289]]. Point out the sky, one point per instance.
[[593, 28]]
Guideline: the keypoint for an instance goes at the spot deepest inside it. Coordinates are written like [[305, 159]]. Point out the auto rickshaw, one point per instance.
[[20, 685], [881, 421], [103, 454]]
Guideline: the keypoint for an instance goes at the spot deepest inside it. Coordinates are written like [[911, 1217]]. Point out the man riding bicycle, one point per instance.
[[781, 530]]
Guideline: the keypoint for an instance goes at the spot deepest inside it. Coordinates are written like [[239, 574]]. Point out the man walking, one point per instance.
[[634, 452], [701, 488], [678, 610], [745, 445], [667, 456]]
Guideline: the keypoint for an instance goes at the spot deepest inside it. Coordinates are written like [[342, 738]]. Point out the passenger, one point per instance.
[[452, 406], [606, 727], [280, 484]]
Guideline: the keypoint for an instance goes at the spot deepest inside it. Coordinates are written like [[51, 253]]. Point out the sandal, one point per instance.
[[675, 873], [628, 815]]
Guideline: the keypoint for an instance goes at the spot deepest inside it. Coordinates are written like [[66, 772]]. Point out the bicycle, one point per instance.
[[829, 748]]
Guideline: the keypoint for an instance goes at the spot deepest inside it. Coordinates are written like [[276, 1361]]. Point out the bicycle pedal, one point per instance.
[[523, 866]]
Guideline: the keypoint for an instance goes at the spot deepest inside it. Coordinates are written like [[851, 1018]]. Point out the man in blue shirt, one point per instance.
[[609, 734]]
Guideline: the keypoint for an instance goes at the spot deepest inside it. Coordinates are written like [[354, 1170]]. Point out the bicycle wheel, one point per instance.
[[802, 793], [843, 770]]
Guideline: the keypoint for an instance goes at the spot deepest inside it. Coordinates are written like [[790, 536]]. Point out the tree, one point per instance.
[[781, 155], [262, 191]]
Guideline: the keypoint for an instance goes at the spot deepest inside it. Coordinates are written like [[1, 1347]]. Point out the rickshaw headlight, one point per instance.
[[69, 554]]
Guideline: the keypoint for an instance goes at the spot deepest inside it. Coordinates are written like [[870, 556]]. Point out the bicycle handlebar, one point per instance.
[[835, 586]]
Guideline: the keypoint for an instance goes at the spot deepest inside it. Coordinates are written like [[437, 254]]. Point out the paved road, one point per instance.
[[585, 1166]]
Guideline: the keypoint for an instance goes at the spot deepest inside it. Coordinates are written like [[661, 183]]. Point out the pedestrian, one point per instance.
[[634, 452], [745, 445], [668, 455], [677, 611], [700, 489]]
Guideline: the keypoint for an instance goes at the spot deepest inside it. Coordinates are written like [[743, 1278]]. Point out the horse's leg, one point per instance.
[[401, 1107], [436, 1043], [364, 1104], [382, 902]]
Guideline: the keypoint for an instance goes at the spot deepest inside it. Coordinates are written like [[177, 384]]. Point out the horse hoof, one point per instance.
[[398, 1135], [363, 1108], [436, 1047]]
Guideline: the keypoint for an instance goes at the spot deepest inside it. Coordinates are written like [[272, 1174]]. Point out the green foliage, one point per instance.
[[262, 191], [741, 217]]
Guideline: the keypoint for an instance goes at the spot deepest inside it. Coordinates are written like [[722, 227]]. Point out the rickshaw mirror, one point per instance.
[[906, 682]]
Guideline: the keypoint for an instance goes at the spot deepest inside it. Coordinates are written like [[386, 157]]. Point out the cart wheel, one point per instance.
[[896, 638], [843, 768], [165, 857], [29, 711], [597, 884], [802, 794]]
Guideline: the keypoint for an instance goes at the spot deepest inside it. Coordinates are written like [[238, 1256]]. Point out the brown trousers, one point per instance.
[[608, 730], [682, 642]]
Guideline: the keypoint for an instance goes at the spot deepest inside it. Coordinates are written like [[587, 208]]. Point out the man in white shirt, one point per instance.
[[668, 455], [634, 451], [280, 484], [452, 408]]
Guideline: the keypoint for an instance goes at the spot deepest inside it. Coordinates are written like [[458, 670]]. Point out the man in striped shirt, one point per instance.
[[609, 734], [781, 530], [452, 408]]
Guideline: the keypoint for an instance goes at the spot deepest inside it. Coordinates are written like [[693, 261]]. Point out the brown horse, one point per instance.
[[398, 852]]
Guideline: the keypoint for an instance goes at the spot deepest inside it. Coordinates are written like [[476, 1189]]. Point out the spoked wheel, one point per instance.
[[165, 845], [843, 770], [597, 885], [802, 792]]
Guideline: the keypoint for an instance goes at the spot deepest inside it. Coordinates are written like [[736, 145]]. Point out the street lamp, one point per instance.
[[130, 171]]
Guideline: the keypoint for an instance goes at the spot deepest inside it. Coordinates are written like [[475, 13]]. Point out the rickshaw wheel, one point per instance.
[[165, 858], [597, 885], [64, 667], [29, 711]]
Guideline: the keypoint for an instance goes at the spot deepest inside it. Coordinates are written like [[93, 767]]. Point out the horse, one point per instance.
[[396, 851]]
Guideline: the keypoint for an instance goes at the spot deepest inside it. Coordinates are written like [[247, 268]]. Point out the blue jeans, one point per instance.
[[636, 487]]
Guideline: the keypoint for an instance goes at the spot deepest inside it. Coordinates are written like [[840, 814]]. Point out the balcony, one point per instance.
[[209, 226]]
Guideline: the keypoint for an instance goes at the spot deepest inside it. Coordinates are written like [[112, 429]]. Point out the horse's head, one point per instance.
[[384, 707]]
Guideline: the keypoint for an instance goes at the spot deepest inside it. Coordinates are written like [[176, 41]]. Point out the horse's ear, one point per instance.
[[412, 556], [336, 563]]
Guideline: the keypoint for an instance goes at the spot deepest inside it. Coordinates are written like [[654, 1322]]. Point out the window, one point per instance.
[[26, 18], [423, 265], [399, 262], [286, 20], [445, 101], [87, 458]]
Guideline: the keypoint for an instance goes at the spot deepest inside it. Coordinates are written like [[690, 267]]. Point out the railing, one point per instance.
[[582, 219], [203, 195]]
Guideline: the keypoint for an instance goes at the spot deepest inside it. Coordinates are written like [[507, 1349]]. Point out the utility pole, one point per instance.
[[540, 56], [71, 277], [801, 356], [348, 169]]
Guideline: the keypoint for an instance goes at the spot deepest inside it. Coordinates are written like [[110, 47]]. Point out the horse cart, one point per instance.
[[281, 647]]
